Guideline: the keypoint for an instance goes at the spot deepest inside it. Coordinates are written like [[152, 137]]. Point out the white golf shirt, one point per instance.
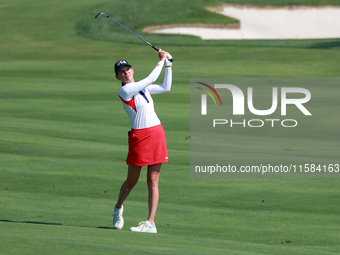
[[137, 100]]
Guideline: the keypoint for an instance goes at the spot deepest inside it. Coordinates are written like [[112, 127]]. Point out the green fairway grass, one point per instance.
[[63, 141]]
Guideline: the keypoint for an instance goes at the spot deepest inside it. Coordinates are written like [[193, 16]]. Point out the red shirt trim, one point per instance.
[[130, 102]]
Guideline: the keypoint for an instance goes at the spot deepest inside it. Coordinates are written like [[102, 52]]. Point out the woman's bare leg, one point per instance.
[[152, 181], [131, 180]]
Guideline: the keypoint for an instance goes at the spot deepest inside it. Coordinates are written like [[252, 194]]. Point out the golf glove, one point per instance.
[[168, 60]]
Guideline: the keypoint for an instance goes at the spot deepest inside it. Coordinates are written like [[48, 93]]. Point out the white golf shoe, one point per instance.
[[118, 221], [146, 227]]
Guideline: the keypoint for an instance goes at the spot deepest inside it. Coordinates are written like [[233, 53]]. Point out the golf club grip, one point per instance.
[[168, 56], [153, 47]]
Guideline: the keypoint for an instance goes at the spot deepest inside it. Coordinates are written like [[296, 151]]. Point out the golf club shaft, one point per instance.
[[129, 31]]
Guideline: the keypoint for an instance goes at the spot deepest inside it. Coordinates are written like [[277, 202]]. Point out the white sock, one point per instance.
[[150, 224]]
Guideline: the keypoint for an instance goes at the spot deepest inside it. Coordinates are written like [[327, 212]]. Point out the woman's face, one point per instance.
[[125, 74]]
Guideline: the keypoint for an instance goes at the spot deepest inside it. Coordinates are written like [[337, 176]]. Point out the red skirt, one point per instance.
[[147, 146]]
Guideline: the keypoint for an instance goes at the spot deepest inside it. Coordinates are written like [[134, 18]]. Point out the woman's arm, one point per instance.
[[131, 89], [165, 87]]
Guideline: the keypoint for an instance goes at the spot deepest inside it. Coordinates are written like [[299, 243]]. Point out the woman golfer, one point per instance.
[[147, 144]]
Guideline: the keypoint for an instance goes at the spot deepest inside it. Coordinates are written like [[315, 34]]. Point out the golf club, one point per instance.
[[102, 13]]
